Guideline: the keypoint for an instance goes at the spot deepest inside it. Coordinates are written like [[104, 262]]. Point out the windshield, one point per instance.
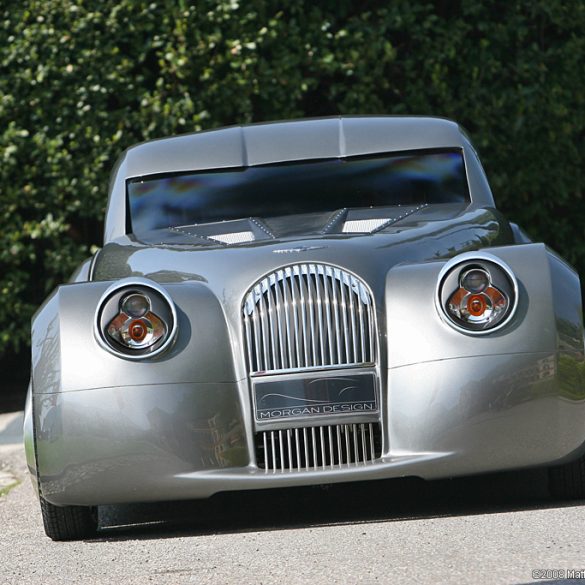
[[302, 187]]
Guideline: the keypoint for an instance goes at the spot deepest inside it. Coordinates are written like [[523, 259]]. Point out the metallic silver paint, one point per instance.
[[180, 425], [469, 420], [29, 440]]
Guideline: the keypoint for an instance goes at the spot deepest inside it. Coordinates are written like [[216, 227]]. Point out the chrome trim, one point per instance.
[[323, 447], [337, 325], [344, 319], [319, 301], [135, 281], [273, 450], [288, 440], [306, 448], [468, 258], [257, 337], [329, 323], [314, 369], [295, 319], [272, 327], [264, 327], [347, 453], [287, 303]]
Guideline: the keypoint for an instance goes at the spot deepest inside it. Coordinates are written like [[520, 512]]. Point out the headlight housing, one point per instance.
[[477, 293], [136, 319]]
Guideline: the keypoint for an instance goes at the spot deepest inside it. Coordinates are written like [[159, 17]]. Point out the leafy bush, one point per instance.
[[82, 80]]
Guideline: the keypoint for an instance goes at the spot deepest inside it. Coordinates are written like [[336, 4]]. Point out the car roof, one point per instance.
[[291, 140]]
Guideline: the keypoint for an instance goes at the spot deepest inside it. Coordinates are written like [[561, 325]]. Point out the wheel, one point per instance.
[[568, 481], [68, 522]]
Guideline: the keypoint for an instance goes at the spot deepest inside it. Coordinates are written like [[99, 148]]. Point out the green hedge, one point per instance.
[[82, 80]]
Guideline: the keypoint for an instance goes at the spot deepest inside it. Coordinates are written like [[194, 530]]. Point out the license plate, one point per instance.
[[315, 396]]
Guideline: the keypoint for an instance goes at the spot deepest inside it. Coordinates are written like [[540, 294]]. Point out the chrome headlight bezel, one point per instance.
[[500, 274], [109, 306]]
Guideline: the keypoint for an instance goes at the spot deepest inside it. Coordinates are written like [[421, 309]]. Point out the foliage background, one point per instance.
[[83, 79]]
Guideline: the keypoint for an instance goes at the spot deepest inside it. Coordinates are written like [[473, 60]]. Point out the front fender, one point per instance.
[[66, 356]]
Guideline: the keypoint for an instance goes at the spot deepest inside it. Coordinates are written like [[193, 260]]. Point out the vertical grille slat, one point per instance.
[[328, 320], [318, 448], [272, 324], [273, 450], [320, 318], [298, 450], [312, 327], [247, 328], [306, 444], [336, 316], [345, 331], [372, 333], [264, 329], [347, 452], [289, 445], [361, 293], [304, 327], [309, 316], [265, 445], [279, 315], [257, 335], [329, 434], [314, 445], [295, 317], [352, 316]]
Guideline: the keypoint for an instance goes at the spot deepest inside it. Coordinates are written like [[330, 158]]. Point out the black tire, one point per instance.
[[68, 522], [568, 481]]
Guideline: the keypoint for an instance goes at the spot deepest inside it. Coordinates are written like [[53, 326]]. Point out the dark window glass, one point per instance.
[[293, 188]]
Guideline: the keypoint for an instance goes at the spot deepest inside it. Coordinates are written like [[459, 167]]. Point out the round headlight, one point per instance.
[[475, 280], [136, 319], [477, 293], [135, 305]]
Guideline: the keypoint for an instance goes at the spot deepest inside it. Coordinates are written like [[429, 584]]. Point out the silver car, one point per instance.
[[297, 303]]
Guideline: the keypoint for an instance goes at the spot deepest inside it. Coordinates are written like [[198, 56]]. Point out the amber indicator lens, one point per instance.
[[475, 280], [137, 330], [476, 305]]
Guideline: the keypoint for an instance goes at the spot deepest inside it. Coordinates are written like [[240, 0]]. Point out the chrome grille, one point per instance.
[[311, 448], [309, 315]]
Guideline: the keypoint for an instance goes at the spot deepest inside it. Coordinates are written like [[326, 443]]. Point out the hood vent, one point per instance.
[[233, 238], [371, 220], [229, 233], [364, 226], [368, 220]]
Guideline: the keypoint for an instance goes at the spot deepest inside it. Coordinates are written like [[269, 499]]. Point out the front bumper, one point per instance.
[[440, 418]]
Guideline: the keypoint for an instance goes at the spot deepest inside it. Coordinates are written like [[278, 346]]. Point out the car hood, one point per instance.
[[177, 256]]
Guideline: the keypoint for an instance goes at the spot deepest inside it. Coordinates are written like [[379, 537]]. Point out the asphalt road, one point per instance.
[[491, 529]]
